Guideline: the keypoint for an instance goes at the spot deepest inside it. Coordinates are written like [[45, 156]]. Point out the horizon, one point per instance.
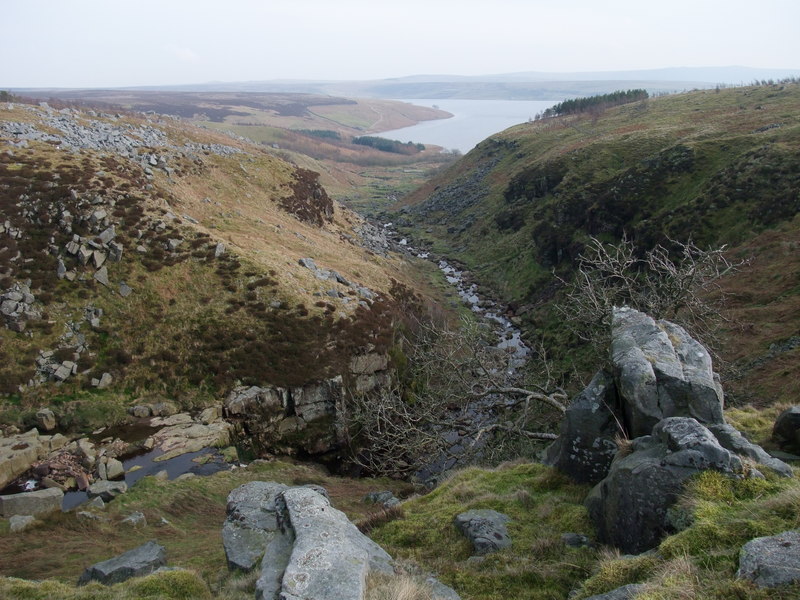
[[96, 44]]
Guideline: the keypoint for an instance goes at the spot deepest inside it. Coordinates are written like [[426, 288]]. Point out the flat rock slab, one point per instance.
[[771, 561], [134, 563], [486, 529], [40, 502]]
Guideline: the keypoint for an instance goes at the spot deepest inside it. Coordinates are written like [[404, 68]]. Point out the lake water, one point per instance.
[[472, 121]]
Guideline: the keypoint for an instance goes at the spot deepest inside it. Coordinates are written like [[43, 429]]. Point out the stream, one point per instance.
[[508, 339]]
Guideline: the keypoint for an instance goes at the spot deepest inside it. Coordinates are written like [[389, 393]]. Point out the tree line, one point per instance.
[[601, 101]]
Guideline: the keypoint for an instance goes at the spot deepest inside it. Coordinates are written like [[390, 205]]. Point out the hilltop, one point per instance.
[[717, 166]]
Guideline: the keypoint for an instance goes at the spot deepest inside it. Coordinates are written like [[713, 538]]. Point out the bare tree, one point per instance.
[[682, 286], [457, 402]]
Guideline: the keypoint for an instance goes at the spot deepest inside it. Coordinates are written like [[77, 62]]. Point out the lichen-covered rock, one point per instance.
[[586, 443], [629, 507], [17, 453], [486, 529], [251, 523], [319, 553], [771, 561], [660, 372], [134, 563]]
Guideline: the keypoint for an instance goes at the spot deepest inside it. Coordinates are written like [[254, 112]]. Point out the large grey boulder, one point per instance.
[[661, 371], [731, 438], [134, 563], [251, 523], [40, 502], [771, 561], [486, 529], [318, 554], [629, 507], [786, 430], [586, 444]]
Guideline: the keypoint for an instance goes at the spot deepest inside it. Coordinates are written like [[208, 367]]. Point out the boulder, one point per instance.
[[182, 435], [134, 563], [107, 490], [251, 523], [771, 561], [786, 431], [626, 592], [318, 553], [730, 438], [18, 523], [661, 371], [46, 419], [40, 502], [586, 444], [486, 529], [629, 507]]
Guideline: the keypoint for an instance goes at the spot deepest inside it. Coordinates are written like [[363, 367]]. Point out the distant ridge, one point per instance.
[[529, 85]]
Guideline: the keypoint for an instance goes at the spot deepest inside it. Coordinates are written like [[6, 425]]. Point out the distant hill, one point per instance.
[[531, 85], [719, 166]]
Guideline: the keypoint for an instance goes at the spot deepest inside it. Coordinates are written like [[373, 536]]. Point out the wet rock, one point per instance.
[[486, 529], [137, 562]]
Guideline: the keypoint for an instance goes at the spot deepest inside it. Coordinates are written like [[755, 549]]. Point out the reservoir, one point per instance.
[[472, 121]]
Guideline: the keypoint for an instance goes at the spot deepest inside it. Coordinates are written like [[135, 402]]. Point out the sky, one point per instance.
[[107, 43]]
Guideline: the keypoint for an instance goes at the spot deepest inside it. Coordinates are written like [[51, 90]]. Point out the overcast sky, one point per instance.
[[97, 43]]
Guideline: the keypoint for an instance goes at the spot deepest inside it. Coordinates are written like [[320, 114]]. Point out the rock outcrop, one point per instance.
[[318, 553], [251, 523], [287, 419], [661, 371], [310, 549], [143, 560], [629, 507], [586, 444]]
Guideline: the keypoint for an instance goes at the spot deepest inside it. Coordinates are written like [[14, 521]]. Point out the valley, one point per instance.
[[203, 292]]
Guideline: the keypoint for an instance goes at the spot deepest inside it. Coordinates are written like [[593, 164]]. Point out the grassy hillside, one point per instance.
[[716, 166], [206, 289]]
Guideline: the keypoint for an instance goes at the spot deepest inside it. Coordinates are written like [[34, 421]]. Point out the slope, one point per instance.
[[717, 166], [145, 256]]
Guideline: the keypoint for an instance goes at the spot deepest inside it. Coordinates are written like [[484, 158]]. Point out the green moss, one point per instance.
[[542, 506]]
